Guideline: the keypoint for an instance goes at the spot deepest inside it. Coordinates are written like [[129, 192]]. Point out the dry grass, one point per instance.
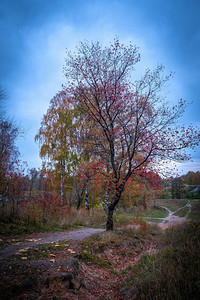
[[172, 273], [32, 218]]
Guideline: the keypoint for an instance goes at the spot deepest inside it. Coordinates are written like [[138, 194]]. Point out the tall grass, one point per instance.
[[173, 273], [40, 216]]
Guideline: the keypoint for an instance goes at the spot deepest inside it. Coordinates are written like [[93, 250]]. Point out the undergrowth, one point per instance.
[[172, 273]]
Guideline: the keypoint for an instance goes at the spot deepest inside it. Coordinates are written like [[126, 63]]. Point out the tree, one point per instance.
[[135, 129], [177, 188], [8, 150], [33, 175], [56, 137]]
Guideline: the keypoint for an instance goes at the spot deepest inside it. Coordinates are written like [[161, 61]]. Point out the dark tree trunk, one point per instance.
[[79, 202], [87, 199], [109, 223], [111, 207]]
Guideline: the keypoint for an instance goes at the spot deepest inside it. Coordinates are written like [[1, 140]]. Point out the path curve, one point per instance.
[[42, 238], [171, 219]]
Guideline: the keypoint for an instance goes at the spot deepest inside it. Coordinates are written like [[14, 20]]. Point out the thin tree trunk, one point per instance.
[[106, 202], [87, 199], [80, 197], [62, 173]]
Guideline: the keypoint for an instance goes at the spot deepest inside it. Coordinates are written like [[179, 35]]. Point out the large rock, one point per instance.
[[67, 276]]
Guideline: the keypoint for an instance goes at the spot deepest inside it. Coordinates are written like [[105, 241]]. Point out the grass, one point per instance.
[[195, 210], [41, 251], [64, 219], [154, 213], [172, 273], [70, 220], [126, 218], [94, 259], [172, 204], [182, 212]]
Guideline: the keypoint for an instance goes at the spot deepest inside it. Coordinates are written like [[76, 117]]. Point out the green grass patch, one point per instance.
[[154, 213], [126, 218], [172, 204], [182, 212], [94, 259]]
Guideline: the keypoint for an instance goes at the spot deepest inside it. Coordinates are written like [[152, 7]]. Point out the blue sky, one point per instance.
[[35, 35]]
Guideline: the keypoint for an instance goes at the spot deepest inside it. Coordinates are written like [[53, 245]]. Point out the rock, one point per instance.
[[72, 263], [68, 279], [77, 283], [57, 277]]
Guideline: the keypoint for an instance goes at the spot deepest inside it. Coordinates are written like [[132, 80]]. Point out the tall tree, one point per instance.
[[135, 129], [56, 137], [8, 150]]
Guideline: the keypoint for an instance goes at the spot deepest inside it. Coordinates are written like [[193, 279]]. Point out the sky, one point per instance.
[[35, 35]]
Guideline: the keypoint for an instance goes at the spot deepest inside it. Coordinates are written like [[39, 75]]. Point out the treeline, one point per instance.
[[191, 178], [185, 186]]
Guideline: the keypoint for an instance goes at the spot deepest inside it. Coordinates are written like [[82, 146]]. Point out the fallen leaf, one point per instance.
[[17, 243], [53, 255], [53, 260], [24, 258], [71, 251], [22, 250]]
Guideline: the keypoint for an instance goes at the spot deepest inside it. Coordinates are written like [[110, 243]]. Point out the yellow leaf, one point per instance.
[[53, 255], [22, 250], [53, 260], [17, 243]]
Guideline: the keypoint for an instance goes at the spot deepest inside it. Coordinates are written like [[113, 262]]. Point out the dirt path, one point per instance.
[[171, 219], [42, 238]]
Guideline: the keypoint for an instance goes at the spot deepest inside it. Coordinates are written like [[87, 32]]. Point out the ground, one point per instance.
[[79, 264]]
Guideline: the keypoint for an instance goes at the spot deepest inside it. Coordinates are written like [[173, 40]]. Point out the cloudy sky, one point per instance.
[[36, 33]]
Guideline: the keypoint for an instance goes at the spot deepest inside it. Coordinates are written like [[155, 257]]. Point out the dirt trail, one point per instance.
[[171, 219], [42, 238]]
